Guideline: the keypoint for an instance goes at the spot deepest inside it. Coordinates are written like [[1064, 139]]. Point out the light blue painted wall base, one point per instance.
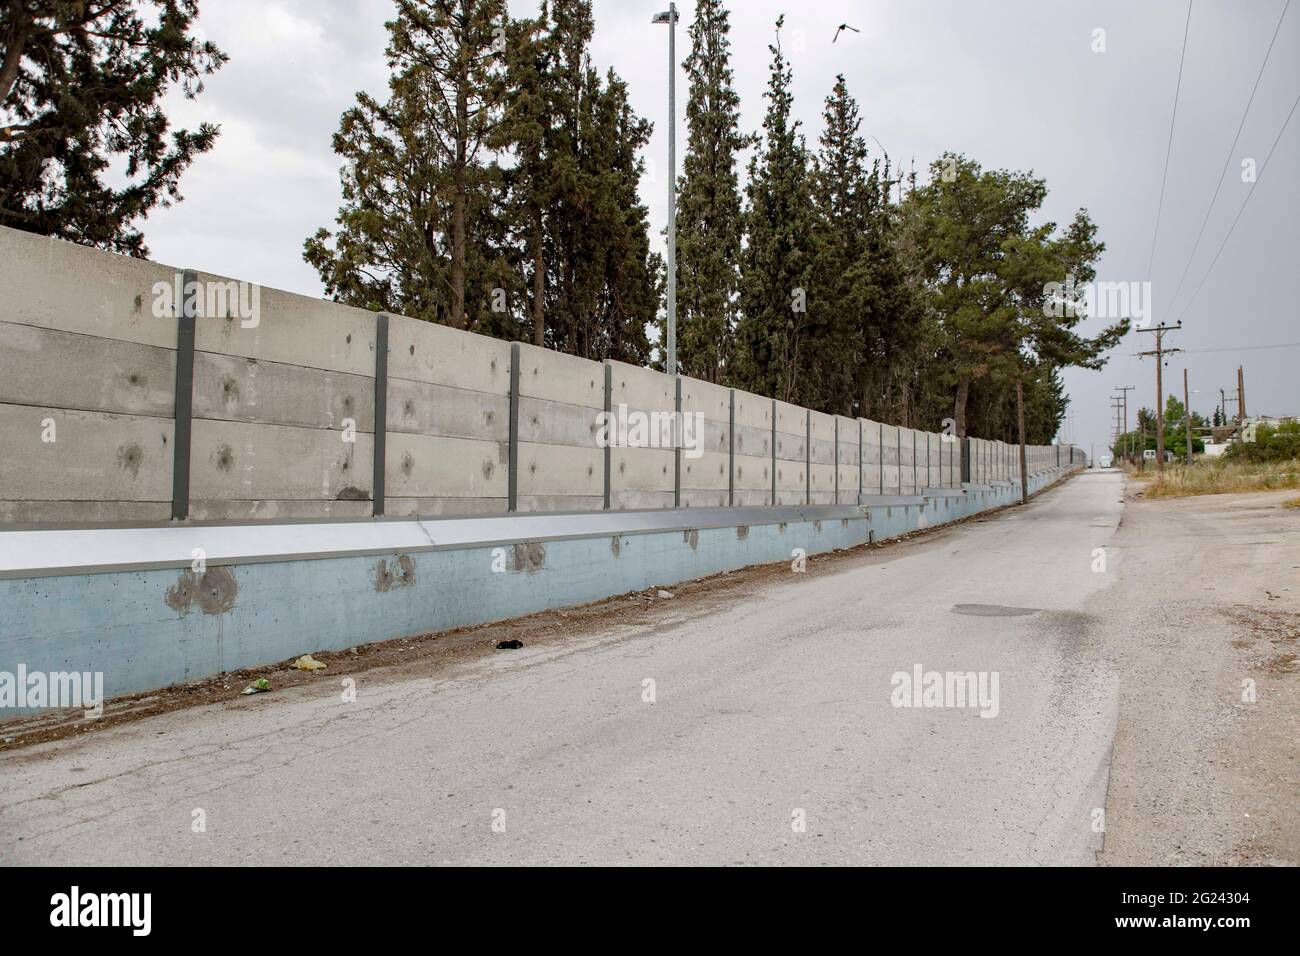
[[121, 623]]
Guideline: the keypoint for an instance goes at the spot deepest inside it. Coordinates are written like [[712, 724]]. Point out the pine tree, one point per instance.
[[709, 224], [81, 89], [415, 227], [777, 263], [988, 271]]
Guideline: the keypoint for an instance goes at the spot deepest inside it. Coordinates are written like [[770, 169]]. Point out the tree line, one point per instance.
[[496, 187]]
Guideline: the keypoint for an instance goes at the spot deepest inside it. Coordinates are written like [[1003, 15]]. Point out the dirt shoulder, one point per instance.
[[1206, 762]]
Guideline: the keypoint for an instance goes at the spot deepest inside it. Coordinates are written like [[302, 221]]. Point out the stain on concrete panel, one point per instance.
[[742, 532], [213, 591], [399, 574], [692, 538], [129, 456], [224, 458], [528, 556]]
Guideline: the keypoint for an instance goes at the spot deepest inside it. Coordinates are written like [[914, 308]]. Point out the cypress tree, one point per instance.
[[709, 225], [846, 205], [600, 275], [777, 263], [525, 130]]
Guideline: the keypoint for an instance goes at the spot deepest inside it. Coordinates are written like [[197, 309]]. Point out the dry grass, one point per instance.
[[1291, 503], [1217, 478]]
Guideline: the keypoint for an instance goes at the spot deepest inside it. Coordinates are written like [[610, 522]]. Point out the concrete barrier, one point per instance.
[[132, 391], [136, 605], [174, 439]]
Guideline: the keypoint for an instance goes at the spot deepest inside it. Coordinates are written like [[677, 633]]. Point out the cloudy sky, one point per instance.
[[1011, 83]]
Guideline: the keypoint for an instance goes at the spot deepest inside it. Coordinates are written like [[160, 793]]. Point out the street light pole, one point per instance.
[[670, 17]]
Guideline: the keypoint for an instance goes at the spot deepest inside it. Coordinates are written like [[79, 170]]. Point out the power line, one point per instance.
[[1170, 145], [1245, 202], [1228, 158], [1248, 348]]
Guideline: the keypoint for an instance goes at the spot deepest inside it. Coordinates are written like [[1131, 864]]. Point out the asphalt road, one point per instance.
[[772, 706]]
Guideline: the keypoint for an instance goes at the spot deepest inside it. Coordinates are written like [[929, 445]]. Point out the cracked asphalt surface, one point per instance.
[[772, 704]]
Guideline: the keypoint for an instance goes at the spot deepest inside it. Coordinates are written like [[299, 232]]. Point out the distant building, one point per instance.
[[1250, 425]]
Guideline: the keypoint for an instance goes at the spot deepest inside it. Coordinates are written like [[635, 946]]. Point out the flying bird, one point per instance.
[[842, 27]]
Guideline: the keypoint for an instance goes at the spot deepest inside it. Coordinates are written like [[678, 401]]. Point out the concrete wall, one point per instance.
[[561, 465], [448, 444], [309, 587], [284, 408], [642, 470], [81, 351], [704, 479], [753, 463]]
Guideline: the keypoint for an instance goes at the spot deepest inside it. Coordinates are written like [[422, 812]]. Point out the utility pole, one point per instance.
[[1241, 394], [1124, 390], [1160, 352], [1115, 405], [1223, 405], [1187, 417]]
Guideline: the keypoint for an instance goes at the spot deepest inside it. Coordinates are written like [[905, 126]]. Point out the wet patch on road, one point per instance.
[[993, 610]]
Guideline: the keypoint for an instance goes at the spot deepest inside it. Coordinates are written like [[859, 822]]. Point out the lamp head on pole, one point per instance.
[[667, 16]]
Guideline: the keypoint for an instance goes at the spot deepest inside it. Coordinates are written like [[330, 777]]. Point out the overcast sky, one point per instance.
[[1010, 83]]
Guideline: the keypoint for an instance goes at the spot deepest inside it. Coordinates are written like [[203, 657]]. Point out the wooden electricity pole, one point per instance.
[[1117, 445], [1160, 352], [1187, 417], [1124, 390]]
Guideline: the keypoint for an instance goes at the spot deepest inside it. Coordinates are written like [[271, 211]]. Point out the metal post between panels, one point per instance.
[[512, 468], [880, 454], [183, 405], [774, 451], [861, 434], [677, 442], [807, 458], [609, 428], [731, 454], [381, 411], [915, 472]]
